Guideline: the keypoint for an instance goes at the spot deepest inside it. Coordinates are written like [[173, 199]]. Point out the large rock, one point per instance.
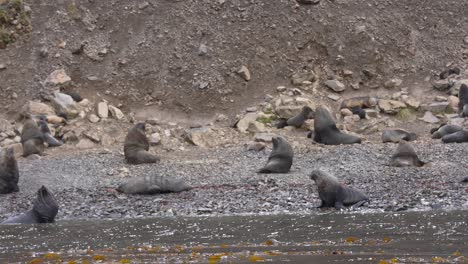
[[287, 107], [456, 86], [391, 106], [243, 124], [37, 108], [85, 143], [395, 82], [256, 127], [102, 110], [441, 85], [335, 85], [64, 103], [413, 103], [301, 77], [58, 78], [116, 112], [430, 118], [202, 136], [453, 103], [435, 107], [155, 139]]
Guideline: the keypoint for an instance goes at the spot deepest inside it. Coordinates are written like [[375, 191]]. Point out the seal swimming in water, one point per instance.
[[395, 135], [463, 102], [153, 184], [446, 130], [405, 156], [280, 159], [334, 194], [457, 137], [9, 174], [48, 138], [298, 120], [136, 146], [44, 210], [326, 132], [32, 138]]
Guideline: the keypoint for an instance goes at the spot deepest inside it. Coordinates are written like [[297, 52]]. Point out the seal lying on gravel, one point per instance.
[[48, 138], [326, 132], [334, 194], [297, 120], [358, 111], [44, 210], [9, 174], [457, 137], [405, 156], [463, 103], [136, 146], [396, 135], [280, 159], [152, 185], [32, 138], [446, 130]]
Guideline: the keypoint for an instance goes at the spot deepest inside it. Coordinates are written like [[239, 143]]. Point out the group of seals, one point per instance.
[[280, 159], [9, 174], [450, 133], [298, 120], [136, 146], [326, 132], [44, 210]]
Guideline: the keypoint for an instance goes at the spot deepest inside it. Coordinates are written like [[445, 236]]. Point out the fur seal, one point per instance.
[[153, 184], [434, 129], [395, 135], [326, 131], [32, 138], [446, 130], [358, 111], [74, 95], [280, 159], [465, 180], [445, 74], [136, 146], [334, 194], [298, 120], [9, 174], [463, 103], [405, 156], [457, 137], [48, 138], [44, 210]]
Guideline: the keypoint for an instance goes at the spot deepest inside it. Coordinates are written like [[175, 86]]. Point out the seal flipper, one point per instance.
[[339, 205], [52, 141], [281, 123]]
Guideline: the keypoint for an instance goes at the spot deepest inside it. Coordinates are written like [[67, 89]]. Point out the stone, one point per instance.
[[308, 2], [37, 108], [244, 73], [155, 139], [371, 113], [243, 124], [300, 77], [441, 85], [256, 127], [5, 125], [57, 78], [102, 110], [93, 118], [85, 143], [347, 73], [396, 96], [346, 112], [64, 103], [221, 118], [256, 146], [116, 112], [107, 140], [429, 118], [395, 82], [201, 136], [334, 97], [456, 86], [94, 136], [465, 40], [413, 103], [440, 98], [2, 66], [288, 111], [70, 136], [335, 85], [202, 50], [453, 103], [18, 149], [281, 89], [435, 107], [391, 106], [264, 137], [251, 109]]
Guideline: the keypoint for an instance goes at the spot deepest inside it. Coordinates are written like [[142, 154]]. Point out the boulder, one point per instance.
[[301, 77], [37, 108], [102, 110], [335, 85], [58, 78], [116, 112], [429, 118], [435, 107], [391, 106], [243, 124], [256, 127], [85, 143], [201, 136]]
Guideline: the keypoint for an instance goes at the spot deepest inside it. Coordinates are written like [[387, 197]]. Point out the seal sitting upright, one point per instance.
[[326, 132], [44, 210], [280, 159], [32, 138], [9, 174], [334, 194], [405, 156], [136, 146]]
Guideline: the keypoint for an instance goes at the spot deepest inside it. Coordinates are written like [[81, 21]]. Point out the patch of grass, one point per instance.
[[405, 114], [4, 17], [268, 110], [266, 120]]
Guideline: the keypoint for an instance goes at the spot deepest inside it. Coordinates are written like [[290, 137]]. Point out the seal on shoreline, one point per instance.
[[463, 102], [44, 210], [405, 156], [32, 138], [136, 146], [457, 137], [153, 184], [326, 131], [446, 130], [298, 120], [395, 135], [9, 174], [48, 138], [280, 159], [334, 194]]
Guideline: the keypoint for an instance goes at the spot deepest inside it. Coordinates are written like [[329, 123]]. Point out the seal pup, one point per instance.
[[463, 102], [48, 138], [136, 146], [446, 130], [405, 156], [153, 184], [32, 138], [326, 131], [298, 120], [457, 137], [44, 210], [395, 135], [358, 111], [280, 159], [334, 194], [9, 174]]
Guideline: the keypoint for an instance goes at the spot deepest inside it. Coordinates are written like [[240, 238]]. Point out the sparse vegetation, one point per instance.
[[266, 119], [405, 114], [14, 20]]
